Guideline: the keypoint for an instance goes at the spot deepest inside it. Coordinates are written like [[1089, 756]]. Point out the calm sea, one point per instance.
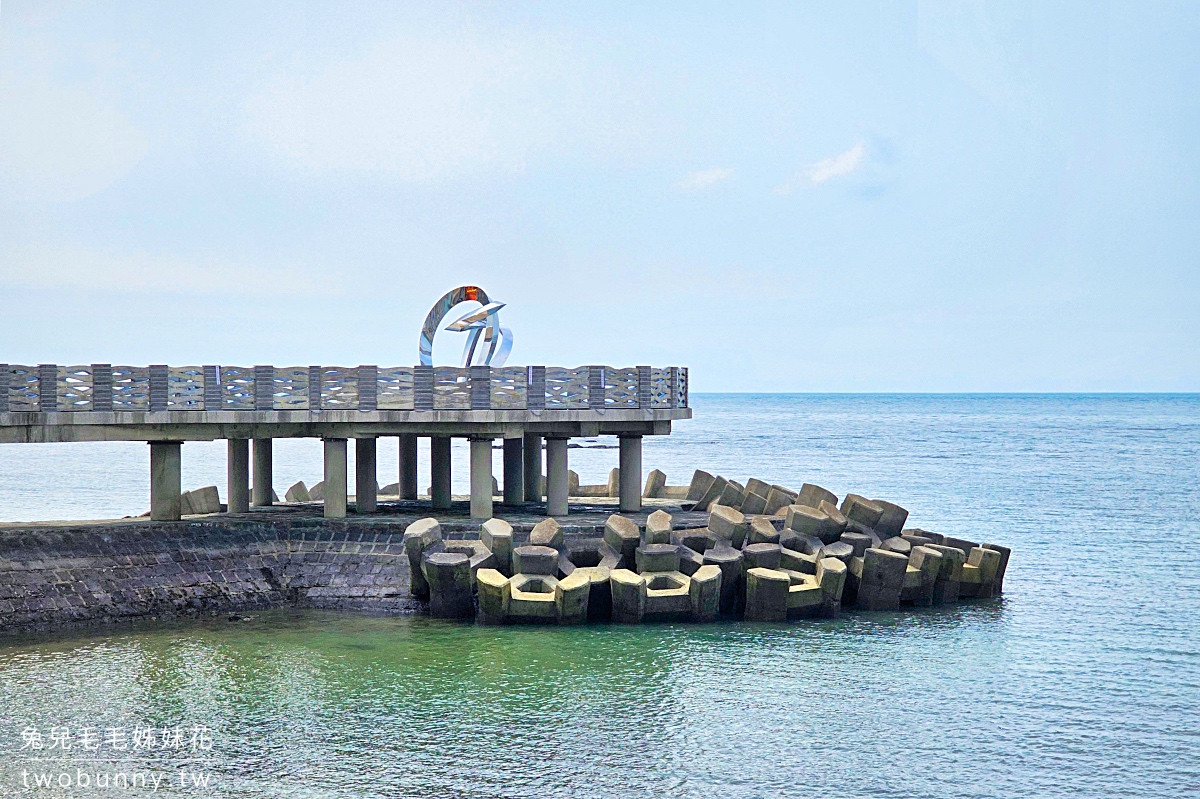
[[1084, 680]]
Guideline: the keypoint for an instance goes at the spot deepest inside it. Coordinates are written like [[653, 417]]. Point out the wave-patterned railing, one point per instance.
[[107, 388]]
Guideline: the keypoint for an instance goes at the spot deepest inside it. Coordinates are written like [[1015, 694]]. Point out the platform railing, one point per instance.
[[104, 388]]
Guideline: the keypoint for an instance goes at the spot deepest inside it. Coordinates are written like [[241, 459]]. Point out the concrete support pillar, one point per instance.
[[335, 478], [630, 487], [408, 467], [481, 478], [556, 477], [533, 467], [439, 463], [165, 480], [366, 484], [263, 493], [237, 475], [514, 471]]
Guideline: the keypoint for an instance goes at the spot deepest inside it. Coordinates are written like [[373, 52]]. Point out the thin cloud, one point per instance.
[[705, 178], [827, 169]]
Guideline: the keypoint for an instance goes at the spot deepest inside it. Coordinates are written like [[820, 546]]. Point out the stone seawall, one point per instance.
[[72, 574]]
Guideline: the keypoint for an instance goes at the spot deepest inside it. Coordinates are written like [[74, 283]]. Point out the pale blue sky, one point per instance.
[[934, 196]]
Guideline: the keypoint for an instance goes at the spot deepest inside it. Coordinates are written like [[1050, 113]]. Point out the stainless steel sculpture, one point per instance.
[[483, 323]]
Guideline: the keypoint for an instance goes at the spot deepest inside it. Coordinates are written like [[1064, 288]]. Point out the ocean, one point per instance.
[[1083, 680]]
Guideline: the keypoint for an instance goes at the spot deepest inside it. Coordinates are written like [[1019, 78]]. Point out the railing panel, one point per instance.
[[289, 389], [566, 389], [681, 388], [660, 388], [509, 384], [24, 393], [620, 387], [130, 388], [394, 388], [185, 388], [237, 388], [339, 388], [451, 388], [75, 388]]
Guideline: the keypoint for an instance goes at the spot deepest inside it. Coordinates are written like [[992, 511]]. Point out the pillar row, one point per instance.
[[408, 467], [263, 494], [481, 478], [439, 463], [556, 476], [237, 475], [532, 458], [630, 485], [366, 483], [335, 478], [165, 481], [514, 471]]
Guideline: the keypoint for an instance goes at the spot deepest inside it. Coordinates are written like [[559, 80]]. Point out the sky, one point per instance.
[[874, 196]]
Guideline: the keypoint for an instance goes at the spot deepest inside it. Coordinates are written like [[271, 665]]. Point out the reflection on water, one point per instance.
[[1083, 680]]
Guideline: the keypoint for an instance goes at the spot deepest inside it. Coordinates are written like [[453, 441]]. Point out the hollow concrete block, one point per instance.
[[690, 560], [813, 495], [705, 593], [699, 540], [547, 533], [724, 521], [657, 558], [628, 596], [797, 542], [801, 562], [729, 561], [531, 599], [418, 537], [766, 594], [571, 596], [762, 556], [623, 535], [761, 531], [493, 591], [658, 528], [667, 596], [449, 578]]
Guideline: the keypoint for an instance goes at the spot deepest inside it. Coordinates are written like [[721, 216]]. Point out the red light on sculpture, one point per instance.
[[473, 293]]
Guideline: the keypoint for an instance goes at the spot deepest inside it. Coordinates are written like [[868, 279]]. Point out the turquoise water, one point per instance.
[[1083, 680]]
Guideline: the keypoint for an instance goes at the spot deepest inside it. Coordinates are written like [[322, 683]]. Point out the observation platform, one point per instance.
[[523, 405]]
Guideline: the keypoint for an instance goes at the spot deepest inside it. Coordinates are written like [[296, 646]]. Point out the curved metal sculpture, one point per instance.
[[480, 324]]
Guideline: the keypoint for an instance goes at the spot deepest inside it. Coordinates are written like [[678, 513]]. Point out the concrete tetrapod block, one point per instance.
[[391, 490], [959, 543], [836, 524], [613, 487], [753, 503], [928, 563], [185, 504], [449, 578], [205, 500], [317, 492], [917, 540], [791, 560], [531, 598], [779, 498], [571, 596], [493, 591], [623, 535], [984, 564], [710, 496], [757, 486], [805, 520], [731, 496], [418, 537], [725, 522], [668, 596], [497, 536], [547, 533], [896, 544], [532, 559], [861, 510], [690, 560], [658, 528], [804, 595], [860, 541], [657, 558], [701, 481], [891, 521], [807, 544], [297, 493], [761, 531], [764, 556], [705, 593], [1005, 553], [840, 550], [572, 483], [767, 594], [831, 575], [628, 596], [699, 540], [813, 495], [880, 579], [656, 481], [936, 538], [478, 555], [949, 578], [729, 561]]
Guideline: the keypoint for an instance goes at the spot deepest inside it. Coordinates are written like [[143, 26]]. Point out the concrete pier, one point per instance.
[[335, 478], [408, 467], [556, 476], [481, 478], [630, 481], [366, 484], [439, 468], [263, 494], [165, 480], [533, 467], [514, 471], [237, 474]]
